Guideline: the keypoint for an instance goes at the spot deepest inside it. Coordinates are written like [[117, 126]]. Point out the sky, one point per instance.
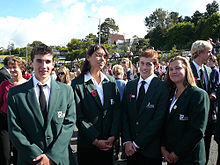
[[56, 22]]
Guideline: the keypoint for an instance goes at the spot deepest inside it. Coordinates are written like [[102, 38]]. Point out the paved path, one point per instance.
[[212, 160]]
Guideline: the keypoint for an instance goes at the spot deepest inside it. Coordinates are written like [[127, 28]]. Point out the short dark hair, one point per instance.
[[6, 59], [41, 49]]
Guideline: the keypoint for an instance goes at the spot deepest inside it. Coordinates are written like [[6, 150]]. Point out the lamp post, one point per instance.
[[99, 27]]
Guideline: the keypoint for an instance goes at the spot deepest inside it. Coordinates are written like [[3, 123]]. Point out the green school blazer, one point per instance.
[[95, 120], [196, 76], [185, 126], [27, 130], [144, 126]]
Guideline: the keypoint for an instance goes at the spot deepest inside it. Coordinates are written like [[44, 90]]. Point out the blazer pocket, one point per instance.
[[59, 116]]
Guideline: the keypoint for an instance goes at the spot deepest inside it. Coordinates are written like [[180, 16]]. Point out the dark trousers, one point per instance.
[[4, 141], [138, 159], [5, 146], [208, 137], [94, 156]]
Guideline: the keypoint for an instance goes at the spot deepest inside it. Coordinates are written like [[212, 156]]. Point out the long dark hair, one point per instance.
[[86, 65]]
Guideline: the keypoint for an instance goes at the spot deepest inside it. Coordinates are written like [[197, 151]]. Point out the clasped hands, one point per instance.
[[130, 148], [169, 157], [104, 145], [44, 160]]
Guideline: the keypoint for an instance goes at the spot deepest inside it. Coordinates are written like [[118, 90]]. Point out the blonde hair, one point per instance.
[[129, 63], [118, 71], [199, 46], [67, 75], [189, 79]]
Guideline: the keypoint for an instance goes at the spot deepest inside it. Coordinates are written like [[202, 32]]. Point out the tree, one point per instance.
[[91, 37], [182, 35], [211, 27], [211, 8], [140, 45], [157, 37], [35, 43], [157, 18], [108, 27], [196, 17]]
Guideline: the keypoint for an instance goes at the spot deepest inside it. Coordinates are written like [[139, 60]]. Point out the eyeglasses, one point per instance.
[[60, 73], [123, 62], [101, 55]]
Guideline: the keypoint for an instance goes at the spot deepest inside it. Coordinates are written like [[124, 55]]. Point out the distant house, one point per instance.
[[117, 39]]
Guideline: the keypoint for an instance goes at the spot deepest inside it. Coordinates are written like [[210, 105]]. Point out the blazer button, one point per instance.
[[137, 123], [48, 137]]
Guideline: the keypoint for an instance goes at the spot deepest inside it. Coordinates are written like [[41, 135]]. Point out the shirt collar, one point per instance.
[[88, 76], [197, 66], [36, 81], [6, 69], [147, 80]]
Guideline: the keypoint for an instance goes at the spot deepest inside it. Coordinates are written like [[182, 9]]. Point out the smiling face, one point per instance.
[[146, 67], [177, 72], [98, 59], [42, 65], [15, 70]]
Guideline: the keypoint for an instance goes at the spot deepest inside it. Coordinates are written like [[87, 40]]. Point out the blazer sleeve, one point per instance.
[[116, 113], [198, 117], [125, 130], [155, 125], [16, 134], [59, 146]]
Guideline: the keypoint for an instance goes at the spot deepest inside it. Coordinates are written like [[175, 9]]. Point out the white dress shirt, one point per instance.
[[146, 85], [204, 73], [46, 89], [98, 87]]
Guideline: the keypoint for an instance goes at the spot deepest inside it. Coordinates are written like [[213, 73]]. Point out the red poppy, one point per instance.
[[130, 96], [94, 93], [196, 78]]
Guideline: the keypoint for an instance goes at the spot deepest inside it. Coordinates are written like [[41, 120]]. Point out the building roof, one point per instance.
[[116, 37]]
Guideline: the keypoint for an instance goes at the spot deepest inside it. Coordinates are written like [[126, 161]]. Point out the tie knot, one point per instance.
[[143, 82], [41, 86]]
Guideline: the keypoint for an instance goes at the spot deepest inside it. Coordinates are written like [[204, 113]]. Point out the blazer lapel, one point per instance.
[[33, 103], [196, 76], [132, 98], [106, 86], [54, 93], [92, 90], [179, 102]]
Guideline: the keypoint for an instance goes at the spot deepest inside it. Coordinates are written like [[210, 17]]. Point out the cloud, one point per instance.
[[132, 25], [46, 1], [66, 3]]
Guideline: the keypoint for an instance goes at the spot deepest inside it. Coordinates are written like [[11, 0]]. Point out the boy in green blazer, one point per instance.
[[201, 51], [144, 104], [40, 122]]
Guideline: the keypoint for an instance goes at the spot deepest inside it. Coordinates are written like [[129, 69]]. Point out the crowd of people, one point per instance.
[[156, 111]]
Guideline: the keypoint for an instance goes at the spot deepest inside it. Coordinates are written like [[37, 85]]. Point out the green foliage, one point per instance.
[[108, 27], [168, 29], [211, 27], [157, 37], [181, 35], [211, 8]]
